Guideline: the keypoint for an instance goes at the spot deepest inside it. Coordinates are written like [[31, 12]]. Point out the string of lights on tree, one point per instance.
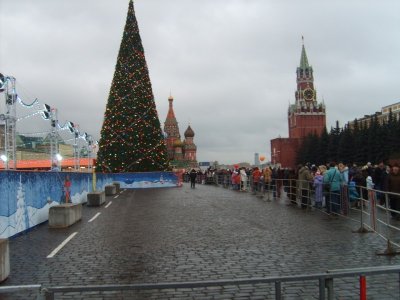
[[131, 137]]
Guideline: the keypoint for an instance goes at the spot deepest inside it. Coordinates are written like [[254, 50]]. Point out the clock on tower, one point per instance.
[[308, 94]]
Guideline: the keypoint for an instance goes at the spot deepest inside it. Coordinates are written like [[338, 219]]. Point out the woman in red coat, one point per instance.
[[256, 179]]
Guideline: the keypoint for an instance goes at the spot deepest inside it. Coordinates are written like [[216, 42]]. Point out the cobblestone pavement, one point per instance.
[[181, 234]]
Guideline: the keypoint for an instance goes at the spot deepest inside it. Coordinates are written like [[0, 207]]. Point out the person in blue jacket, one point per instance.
[[333, 179]]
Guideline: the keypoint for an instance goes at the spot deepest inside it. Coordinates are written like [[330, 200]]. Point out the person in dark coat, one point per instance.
[[394, 187], [380, 178], [193, 175]]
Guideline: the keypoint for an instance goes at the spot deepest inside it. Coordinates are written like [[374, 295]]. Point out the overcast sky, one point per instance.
[[230, 64]]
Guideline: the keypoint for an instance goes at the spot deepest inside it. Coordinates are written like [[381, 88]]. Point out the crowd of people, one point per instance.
[[334, 187]]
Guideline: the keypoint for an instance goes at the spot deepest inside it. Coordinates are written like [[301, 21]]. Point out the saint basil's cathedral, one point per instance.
[[182, 154]]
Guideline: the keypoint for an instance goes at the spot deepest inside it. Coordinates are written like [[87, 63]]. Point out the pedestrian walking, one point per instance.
[[193, 175]]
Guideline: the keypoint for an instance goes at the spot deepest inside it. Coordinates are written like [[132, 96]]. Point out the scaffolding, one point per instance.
[[8, 122], [76, 148], [89, 148], [54, 149]]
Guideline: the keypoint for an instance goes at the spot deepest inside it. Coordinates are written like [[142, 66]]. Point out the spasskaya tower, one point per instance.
[[306, 116]]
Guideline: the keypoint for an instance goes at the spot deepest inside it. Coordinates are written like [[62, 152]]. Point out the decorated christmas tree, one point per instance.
[[131, 137]]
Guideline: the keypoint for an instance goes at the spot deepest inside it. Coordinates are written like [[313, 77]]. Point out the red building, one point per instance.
[[305, 116]]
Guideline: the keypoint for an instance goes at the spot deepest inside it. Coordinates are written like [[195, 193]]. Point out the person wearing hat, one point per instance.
[[394, 187]]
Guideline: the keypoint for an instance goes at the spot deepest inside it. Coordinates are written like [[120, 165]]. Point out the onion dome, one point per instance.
[[189, 132], [178, 143]]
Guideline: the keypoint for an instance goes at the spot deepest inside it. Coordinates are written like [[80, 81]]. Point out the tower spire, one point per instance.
[[171, 128], [171, 113], [303, 59]]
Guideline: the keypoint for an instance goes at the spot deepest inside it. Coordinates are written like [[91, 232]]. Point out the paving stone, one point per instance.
[[180, 234]]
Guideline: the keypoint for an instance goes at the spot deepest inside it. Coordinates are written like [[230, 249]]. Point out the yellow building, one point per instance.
[[382, 116]]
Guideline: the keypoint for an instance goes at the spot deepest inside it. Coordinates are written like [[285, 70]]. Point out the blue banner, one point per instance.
[[26, 197]]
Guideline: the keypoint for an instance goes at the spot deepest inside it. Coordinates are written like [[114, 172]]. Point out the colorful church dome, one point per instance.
[[178, 143], [189, 132]]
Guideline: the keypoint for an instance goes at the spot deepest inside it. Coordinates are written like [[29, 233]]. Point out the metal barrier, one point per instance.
[[325, 283], [360, 206]]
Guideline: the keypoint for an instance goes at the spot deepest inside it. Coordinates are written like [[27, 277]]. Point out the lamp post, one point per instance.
[[274, 155], [54, 150], [59, 158], [90, 150], [76, 147], [8, 120], [4, 158]]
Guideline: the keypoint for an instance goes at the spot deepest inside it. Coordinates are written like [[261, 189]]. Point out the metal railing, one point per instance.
[[357, 203], [325, 283]]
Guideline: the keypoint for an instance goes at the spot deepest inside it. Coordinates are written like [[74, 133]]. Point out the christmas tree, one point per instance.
[[131, 137]]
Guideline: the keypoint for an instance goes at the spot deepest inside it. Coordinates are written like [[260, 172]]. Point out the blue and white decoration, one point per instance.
[[26, 197], [146, 180]]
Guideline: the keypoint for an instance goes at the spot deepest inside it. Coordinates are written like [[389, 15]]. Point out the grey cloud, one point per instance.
[[229, 64]]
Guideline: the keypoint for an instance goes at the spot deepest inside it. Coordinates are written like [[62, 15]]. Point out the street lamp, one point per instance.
[[274, 155], [56, 165]]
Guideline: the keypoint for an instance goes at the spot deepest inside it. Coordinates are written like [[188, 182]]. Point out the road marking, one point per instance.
[[116, 197], [109, 203], [122, 191], [95, 216], [61, 245]]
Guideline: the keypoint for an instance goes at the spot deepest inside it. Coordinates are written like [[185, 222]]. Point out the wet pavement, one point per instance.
[[207, 233]]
